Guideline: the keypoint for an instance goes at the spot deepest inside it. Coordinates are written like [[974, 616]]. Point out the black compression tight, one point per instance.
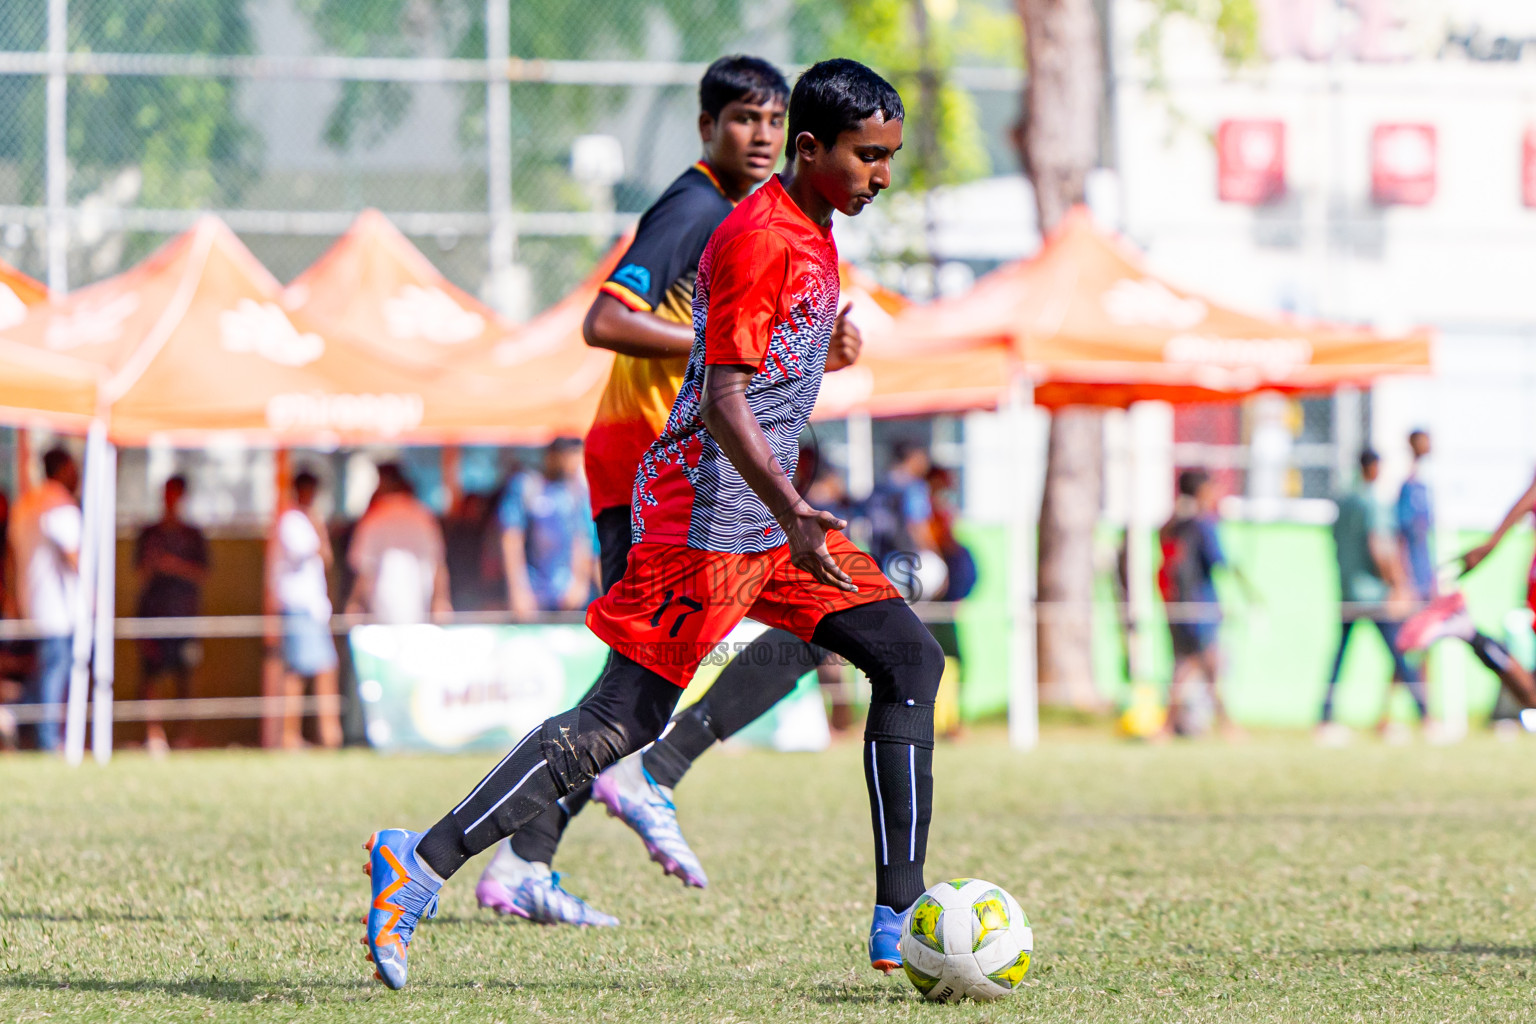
[[630, 705], [761, 674], [627, 709], [888, 643]]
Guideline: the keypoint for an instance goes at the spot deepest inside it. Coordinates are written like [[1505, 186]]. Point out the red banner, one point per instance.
[[1403, 158], [1250, 161]]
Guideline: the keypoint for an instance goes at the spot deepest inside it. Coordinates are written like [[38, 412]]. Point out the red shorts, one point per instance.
[[675, 603]]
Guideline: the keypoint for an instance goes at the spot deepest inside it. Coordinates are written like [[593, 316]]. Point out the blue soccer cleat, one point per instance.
[[630, 794], [404, 892], [511, 885], [885, 939]]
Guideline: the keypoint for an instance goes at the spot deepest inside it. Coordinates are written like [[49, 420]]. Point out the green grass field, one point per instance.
[[1265, 882]]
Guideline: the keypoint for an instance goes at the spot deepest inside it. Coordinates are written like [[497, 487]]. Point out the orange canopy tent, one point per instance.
[[39, 386], [382, 294], [1087, 324], [18, 293], [195, 340]]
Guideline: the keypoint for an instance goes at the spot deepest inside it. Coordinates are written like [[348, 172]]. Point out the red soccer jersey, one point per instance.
[[766, 297]]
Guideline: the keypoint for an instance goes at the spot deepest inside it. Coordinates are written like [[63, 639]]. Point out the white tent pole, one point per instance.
[[1023, 695], [106, 594], [861, 455], [1138, 547], [85, 592]]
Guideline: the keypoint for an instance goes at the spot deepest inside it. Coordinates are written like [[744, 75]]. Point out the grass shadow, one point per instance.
[[220, 989], [837, 994]]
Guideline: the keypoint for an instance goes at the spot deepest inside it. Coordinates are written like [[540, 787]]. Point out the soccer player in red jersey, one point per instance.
[[720, 533], [644, 314]]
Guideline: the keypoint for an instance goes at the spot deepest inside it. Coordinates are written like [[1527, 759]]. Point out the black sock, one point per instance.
[[1492, 653], [538, 840], [690, 734], [443, 849], [762, 674], [898, 768]]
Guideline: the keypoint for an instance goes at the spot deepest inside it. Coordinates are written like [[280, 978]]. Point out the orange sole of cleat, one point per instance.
[[368, 957], [886, 967], [368, 869], [376, 974], [371, 840]]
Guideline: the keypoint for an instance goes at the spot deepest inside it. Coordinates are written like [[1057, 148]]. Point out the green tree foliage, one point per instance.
[[184, 136], [1234, 25], [619, 29], [916, 43]]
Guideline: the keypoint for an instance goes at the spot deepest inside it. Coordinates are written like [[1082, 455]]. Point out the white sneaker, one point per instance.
[[511, 885], [1333, 735]]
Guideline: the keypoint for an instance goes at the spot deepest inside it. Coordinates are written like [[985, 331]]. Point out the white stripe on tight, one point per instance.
[[504, 799], [874, 773], [912, 774], [493, 771]]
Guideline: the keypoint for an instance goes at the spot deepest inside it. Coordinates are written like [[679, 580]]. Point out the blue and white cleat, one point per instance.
[[511, 885], [630, 794], [885, 939], [404, 892]]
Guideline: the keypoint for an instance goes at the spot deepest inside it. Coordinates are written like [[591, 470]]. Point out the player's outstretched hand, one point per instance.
[[1472, 559], [847, 342], [806, 530]]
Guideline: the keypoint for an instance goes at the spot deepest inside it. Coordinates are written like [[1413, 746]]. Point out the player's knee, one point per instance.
[[577, 745], [913, 666]]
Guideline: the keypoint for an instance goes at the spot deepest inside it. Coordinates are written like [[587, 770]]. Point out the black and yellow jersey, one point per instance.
[[655, 275]]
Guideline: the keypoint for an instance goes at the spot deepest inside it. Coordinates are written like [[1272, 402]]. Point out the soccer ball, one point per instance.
[[966, 937]]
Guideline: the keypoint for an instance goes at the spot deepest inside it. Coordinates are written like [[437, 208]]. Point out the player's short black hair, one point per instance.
[[1368, 458], [392, 479], [834, 96], [565, 443], [740, 77], [304, 478], [1417, 432], [54, 462], [1191, 480], [177, 480]]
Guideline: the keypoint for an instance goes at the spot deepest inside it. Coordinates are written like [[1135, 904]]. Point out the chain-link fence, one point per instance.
[[127, 118]]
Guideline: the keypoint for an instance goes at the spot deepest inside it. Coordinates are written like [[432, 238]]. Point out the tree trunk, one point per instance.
[[1058, 140]]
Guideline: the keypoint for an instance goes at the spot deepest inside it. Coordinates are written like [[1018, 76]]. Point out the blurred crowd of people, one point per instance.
[[1386, 572], [527, 548]]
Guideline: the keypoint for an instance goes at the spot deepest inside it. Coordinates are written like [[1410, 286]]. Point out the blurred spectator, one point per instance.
[[398, 555], [467, 535], [7, 593], [1416, 522], [958, 560], [46, 542], [959, 581], [1372, 586], [823, 486], [1191, 553], [547, 539], [899, 507], [298, 555], [171, 559]]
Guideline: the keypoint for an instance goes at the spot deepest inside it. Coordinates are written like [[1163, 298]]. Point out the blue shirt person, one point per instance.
[[547, 539], [1416, 523]]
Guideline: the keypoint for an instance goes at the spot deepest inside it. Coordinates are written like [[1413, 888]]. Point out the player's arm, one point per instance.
[[667, 244], [734, 427], [519, 591], [634, 332], [442, 604], [581, 574], [1521, 509]]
